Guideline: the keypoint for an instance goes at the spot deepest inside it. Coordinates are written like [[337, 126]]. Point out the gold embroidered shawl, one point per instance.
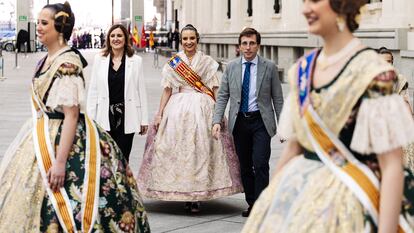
[[335, 103]]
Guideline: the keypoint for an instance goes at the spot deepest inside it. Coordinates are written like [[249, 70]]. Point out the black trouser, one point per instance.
[[253, 149], [124, 141]]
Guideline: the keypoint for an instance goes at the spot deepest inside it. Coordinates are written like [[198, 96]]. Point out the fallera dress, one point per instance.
[[182, 161], [27, 205], [360, 108]]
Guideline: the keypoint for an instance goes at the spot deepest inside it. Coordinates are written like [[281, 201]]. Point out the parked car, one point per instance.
[[8, 43], [8, 39]]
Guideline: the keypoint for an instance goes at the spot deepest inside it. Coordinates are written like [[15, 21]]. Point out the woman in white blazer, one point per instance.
[[117, 98]]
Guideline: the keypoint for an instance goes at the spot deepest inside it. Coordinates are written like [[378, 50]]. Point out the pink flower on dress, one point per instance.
[[79, 216], [105, 172]]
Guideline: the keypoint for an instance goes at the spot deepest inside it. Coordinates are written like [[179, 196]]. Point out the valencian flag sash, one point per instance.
[[189, 76], [358, 177], [45, 156]]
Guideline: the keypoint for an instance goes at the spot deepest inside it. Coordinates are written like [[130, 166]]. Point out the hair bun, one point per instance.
[[67, 8]]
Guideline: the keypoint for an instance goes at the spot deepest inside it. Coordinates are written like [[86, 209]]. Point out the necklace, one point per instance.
[[51, 58], [324, 61], [190, 58]]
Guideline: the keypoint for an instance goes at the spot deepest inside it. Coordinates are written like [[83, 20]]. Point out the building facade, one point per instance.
[[388, 23]]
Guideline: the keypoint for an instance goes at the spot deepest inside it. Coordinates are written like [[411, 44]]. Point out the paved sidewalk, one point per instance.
[[218, 216]]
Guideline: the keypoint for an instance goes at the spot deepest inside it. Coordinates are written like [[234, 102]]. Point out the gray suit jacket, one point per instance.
[[269, 91]]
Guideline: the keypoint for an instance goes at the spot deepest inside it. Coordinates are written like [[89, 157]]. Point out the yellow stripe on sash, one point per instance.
[[352, 170], [319, 134], [45, 159], [363, 181], [62, 205], [93, 175]]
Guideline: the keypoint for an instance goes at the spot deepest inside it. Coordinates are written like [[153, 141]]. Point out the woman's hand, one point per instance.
[[215, 131], [144, 129], [56, 175], [157, 121]]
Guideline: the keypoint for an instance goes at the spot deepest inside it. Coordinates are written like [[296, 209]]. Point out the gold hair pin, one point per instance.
[[61, 13]]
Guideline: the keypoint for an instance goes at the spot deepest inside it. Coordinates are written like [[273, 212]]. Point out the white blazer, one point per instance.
[[136, 110]]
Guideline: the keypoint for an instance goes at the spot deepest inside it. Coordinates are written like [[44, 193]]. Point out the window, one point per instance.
[[249, 8], [277, 6], [228, 9]]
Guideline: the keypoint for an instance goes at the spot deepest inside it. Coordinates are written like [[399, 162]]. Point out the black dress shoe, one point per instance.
[[187, 206], [195, 207], [246, 213]]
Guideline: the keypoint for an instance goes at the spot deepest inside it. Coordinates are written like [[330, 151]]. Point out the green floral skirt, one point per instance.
[[120, 205]]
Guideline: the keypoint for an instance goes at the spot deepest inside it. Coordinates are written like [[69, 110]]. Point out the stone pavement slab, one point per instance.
[[217, 216]]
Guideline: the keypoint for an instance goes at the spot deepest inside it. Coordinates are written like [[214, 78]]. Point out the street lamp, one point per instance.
[[112, 12]]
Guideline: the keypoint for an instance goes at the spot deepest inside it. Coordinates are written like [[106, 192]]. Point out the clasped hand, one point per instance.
[[56, 175]]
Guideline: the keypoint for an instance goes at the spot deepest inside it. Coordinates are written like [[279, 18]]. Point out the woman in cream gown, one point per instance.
[[183, 162], [341, 170], [63, 173]]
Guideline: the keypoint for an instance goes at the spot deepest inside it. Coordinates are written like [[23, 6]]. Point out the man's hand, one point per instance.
[[144, 129], [216, 131]]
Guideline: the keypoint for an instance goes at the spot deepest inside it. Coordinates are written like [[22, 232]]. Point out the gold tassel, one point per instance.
[[61, 40]]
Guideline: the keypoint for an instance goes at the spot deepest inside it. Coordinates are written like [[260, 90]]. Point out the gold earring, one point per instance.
[[340, 23], [358, 19], [61, 40]]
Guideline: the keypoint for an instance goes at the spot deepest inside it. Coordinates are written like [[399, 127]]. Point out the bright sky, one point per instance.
[[87, 12]]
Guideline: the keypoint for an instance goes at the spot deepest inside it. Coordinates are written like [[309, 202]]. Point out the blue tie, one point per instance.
[[244, 106]]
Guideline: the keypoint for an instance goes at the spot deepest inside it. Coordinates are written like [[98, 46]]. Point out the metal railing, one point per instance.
[[1, 65], [156, 63]]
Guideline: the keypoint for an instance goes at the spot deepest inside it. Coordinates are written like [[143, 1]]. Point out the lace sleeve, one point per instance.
[[384, 121], [68, 88]]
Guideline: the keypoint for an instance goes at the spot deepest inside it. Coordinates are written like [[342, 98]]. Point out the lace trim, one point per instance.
[[66, 91], [383, 124]]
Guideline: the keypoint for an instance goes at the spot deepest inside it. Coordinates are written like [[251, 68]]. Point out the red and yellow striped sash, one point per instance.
[[189, 76]]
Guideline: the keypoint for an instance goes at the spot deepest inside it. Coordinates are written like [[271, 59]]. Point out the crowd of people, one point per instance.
[[87, 39], [347, 127]]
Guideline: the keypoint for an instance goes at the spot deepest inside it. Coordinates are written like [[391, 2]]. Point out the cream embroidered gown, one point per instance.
[[183, 162], [360, 107], [24, 204]]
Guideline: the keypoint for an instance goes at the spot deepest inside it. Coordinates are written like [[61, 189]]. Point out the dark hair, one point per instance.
[[384, 50], [64, 18], [190, 28], [249, 32], [350, 9], [128, 50]]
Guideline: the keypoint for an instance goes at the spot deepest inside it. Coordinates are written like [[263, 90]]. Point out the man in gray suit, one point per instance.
[[252, 84]]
